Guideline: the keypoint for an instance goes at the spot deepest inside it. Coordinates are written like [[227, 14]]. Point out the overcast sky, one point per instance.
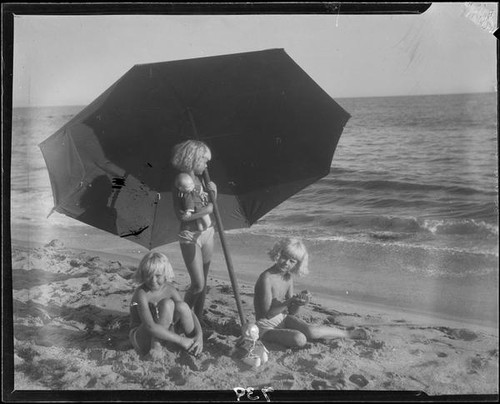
[[70, 60]]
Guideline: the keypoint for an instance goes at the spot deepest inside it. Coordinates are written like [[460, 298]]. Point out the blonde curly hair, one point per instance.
[[186, 155], [154, 262], [295, 248]]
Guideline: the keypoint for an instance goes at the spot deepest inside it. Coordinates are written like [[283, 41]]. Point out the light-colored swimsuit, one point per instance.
[[197, 237], [274, 323], [189, 233]]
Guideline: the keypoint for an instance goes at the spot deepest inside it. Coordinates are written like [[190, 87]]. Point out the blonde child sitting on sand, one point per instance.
[[157, 311], [191, 200], [276, 305]]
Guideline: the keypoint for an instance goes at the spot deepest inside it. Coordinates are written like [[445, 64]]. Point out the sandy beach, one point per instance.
[[70, 321]]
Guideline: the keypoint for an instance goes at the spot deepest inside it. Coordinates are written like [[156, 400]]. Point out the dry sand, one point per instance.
[[70, 318]]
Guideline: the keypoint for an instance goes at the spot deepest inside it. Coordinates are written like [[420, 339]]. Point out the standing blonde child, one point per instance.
[[191, 157], [157, 311], [276, 304]]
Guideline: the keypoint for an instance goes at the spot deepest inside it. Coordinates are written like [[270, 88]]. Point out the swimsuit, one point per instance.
[[199, 238], [274, 323], [189, 233]]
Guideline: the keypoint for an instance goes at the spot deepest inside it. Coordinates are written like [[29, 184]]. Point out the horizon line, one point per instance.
[[336, 98]]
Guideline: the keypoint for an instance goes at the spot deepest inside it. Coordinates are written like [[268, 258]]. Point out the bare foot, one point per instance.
[[156, 351], [358, 333]]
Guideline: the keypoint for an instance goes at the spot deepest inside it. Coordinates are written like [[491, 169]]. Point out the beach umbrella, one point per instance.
[[272, 131]]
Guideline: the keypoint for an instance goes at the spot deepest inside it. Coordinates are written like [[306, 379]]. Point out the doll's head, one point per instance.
[[184, 182], [250, 330]]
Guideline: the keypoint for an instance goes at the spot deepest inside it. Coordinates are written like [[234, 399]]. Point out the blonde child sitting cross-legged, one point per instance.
[[276, 304], [158, 313]]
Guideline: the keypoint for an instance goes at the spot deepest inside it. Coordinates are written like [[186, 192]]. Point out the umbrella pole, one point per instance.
[[229, 262]]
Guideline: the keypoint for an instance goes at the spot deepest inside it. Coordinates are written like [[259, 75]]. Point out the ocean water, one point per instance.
[[412, 198], [416, 171]]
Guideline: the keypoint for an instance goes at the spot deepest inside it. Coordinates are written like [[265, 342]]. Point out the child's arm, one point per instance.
[[186, 214], [266, 305], [187, 204], [197, 346], [294, 306], [212, 187], [293, 303], [205, 210], [180, 209], [298, 300], [262, 297], [174, 294]]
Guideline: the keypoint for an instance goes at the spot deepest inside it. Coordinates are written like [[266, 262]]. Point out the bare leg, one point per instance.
[[166, 316], [171, 313], [144, 339], [286, 337], [166, 312], [184, 315], [193, 260], [206, 254], [200, 302], [314, 332]]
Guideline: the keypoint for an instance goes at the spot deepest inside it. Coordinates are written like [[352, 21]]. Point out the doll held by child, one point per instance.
[[192, 200]]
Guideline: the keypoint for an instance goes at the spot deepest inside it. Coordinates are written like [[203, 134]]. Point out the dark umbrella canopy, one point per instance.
[[272, 131]]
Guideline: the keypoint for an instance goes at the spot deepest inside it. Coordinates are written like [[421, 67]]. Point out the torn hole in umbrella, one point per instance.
[[134, 232]]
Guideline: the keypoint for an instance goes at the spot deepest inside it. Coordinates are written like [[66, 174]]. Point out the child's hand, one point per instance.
[[212, 187], [298, 301], [302, 298], [186, 215], [187, 343], [197, 346], [305, 295]]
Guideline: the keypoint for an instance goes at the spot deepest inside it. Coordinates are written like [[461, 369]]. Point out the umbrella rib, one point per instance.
[[156, 203], [94, 105], [220, 73], [68, 135], [185, 107], [176, 93], [75, 190], [80, 184], [196, 98]]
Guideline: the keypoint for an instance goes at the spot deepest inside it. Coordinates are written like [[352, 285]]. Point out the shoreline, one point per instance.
[[245, 280]]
